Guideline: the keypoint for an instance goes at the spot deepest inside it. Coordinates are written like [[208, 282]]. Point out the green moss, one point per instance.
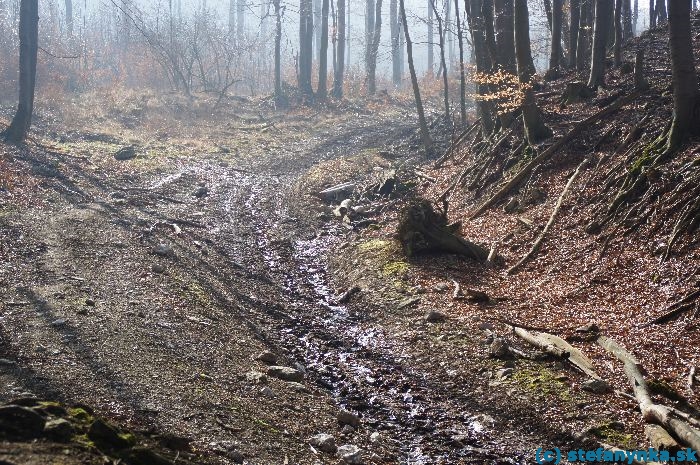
[[84, 441], [394, 268], [80, 414], [542, 381], [129, 438], [613, 433], [374, 245], [662, 388]]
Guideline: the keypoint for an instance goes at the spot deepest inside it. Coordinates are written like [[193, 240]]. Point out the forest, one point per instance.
[[353, 232]]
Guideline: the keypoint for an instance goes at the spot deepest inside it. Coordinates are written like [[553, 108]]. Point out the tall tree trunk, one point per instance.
[[635, 17], [686, 96], [627, 32], [431, 63], [489, 32], [617, 49], [548, 12], [555, 50], [395, 42], [423, 124], [28, 46], [575, 7], [69, 17], [505, 39], [373, 50], [241, 14], [652, 14], [662, 14], [583, 49], [323, 58], [278, 50], [462, 76], [443, 65], [535, 129], [603, 12], [232, 18], [483, 63], [318, 12], [306, 27], [340, 65]]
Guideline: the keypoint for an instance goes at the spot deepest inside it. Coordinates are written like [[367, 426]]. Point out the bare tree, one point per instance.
[[535, 129], [686, 96], [555, 49], [278, 50], [583, 49], [617, 48], [443, 65], [661, 12], [373, 50], [306, 28], [323, 58], [340, 52], [395, 42], [423, 124], [69, 17], [431, 64], [603, 12], [462, 76], [28, 47], [627, 32], [483, 62], [505, 38], [575, 17]]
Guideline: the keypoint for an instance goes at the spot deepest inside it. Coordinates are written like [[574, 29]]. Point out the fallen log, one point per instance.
[[541, 343], [337, 191], [659, 438], [538, 243], [676, 309], [549, 152], [651, 412]]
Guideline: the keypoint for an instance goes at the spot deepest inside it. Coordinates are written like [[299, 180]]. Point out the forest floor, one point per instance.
[[144, 291]]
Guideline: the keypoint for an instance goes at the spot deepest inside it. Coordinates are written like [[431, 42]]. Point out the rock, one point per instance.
[[174, 442], [374, 437], [347, 429], [158, 268], [235, 456], [267, 357], [267, 392], [201, 191], [90, 302], [58, 322], [512, 205], [350, 454], [7, 363], [125, 153], [324, 443], [498, 348], [442, 287], [348, 418], [298, 387], [285, 373], [60, 430], [433, 316], [164, 250], [144, 456], [407, 302], [20, 423], [596, 386], [504, 373], [256, 377], [105, 435], [588, 328]]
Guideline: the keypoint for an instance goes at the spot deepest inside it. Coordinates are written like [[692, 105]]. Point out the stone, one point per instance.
[[347, 429], [374, 437], [20, 423], [504, 373], [407, 302], [298, 387], [442, 287], [58, 322], [285, 373], [498, 348], [256, 377], [235, 456], [324, 443], [267, 357], [158, 268], [60, 430], [434, 316], [348, 418], [144, 456], [352, 455], [588, 328], [164, 250], [125, 153], [90, 302], [105, 435], [267, 392], [200, 192], [596, 386]]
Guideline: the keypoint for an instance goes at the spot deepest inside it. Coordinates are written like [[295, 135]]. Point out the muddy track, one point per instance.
[[342, 350]]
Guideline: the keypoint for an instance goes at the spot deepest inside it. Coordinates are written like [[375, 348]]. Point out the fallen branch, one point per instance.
[[675, 309], [451, 149], [538, 243], [651, 412], [547, 154], [691, 378], [541, 343]]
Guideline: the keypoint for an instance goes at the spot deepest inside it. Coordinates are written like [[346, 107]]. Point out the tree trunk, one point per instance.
[[489, 33], [575, 7], [306, 27], [462, 77], [505, 39], [661, 12], [232, 18], [617, 49], [340, 64], [555, 50], [652, 14], [686, 104], [395, 43], [425, 134], [28, 46], [240, 13], [318, 13], [583, 49], [483, 63], [635, 17], [69, 17], [627, 32], [431, 64], [373, 50], [278, 49], [323, 50], [443, 65], [548, 12], [603, 12], [535, 128]]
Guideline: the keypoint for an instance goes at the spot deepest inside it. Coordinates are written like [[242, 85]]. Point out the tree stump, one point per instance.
[[575, 92]]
